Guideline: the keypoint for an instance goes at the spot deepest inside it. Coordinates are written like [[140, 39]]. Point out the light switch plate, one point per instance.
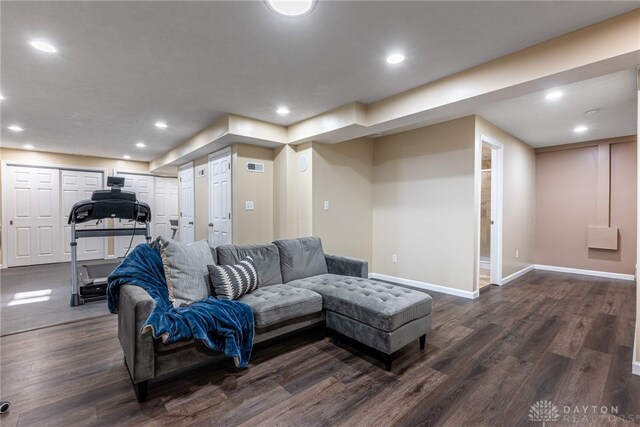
[[248, 205], [326, 205]]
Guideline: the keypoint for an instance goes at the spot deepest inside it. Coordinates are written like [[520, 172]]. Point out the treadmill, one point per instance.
[[89, 282]]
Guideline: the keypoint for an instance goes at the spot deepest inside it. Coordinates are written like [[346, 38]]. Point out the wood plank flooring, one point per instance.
[[559, 337]]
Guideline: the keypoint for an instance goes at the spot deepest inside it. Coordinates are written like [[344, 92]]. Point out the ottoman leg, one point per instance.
[[387, 362], [422, 341]]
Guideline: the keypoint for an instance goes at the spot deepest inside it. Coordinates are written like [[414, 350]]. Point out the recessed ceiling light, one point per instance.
[[28, 146], [43, 46], [395, 58], [161, 125], [126, 157], [283, 111], [553, 95], [141, 145], [580, 129], [291, 7], [15, 128]]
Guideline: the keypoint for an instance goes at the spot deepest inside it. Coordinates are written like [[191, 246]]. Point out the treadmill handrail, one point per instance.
[[108, 232]]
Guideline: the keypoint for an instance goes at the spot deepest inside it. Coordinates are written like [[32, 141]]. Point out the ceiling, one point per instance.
[[122, 66], [541, 122]]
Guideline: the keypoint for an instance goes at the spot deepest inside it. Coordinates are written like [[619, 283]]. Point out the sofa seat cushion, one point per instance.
[[381, 305], [278, 303]]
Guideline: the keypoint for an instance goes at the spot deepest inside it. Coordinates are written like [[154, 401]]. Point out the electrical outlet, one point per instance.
[[394, 258], [248, 205], [517, 254], [326, 205]]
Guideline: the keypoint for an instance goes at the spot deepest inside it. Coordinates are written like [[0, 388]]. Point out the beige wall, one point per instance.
[[201, 199], [285, 193], [254, 226], [567, 200], [518, 211], [342, 175], [423, 204], [304, 191], [637, 344]]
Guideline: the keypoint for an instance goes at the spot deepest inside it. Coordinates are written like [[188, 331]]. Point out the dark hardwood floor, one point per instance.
[[558, 337]]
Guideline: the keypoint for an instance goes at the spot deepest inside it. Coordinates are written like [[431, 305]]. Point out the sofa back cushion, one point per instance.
[[265, 257], [300, 258], [185, 268]]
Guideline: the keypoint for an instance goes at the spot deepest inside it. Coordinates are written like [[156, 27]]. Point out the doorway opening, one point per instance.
[[490, 251]]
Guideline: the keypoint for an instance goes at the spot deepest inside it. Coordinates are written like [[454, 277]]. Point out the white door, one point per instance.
[[166, 205], [187, 231], [220, 199], [33, 209], [76, 186], [142, 185]]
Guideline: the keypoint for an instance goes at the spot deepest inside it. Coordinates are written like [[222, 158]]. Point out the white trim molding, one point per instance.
[[517, 274], [426, 286], [606, 274], [635, 364]]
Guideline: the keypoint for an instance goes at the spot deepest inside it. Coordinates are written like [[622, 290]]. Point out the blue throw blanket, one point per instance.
[[222, 325]]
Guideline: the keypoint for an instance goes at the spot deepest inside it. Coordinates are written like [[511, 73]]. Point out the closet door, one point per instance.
[[187, 203], [220, 222], [76, 186], [142, 185], [33, 210], [166, 206]]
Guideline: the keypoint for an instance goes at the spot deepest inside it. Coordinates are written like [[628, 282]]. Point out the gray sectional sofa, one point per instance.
[[301, 286]]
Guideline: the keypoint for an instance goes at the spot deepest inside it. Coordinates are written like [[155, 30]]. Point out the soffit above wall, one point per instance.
[[543, 123]]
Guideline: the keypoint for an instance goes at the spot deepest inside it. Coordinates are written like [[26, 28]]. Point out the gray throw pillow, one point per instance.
[[233, 281], [300, 258], [185, 268]]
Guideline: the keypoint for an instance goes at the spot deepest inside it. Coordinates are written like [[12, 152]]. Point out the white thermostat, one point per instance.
[[255, 167]]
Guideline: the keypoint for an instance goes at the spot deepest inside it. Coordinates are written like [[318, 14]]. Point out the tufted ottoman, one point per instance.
[[382, 316]]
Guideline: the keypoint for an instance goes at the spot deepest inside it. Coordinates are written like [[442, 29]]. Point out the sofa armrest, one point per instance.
[[347, 266], [134, 308]]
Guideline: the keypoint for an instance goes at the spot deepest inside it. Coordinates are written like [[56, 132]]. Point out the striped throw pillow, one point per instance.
[[233, 281]]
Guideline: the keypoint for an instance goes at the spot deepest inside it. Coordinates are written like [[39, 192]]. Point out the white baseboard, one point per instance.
[[636, 368], [605, 274], [485, 264], [517, 274], [426, 286], [110, 257]]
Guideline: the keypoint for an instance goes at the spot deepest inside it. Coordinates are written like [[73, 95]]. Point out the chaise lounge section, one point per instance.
[[300, 287]]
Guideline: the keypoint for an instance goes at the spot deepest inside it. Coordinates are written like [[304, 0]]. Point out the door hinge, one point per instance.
[[180, 179], [229, 215], [229, 165]]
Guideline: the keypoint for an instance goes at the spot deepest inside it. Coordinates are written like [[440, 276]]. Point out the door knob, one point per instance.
[[190, 222], [210, 224]]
